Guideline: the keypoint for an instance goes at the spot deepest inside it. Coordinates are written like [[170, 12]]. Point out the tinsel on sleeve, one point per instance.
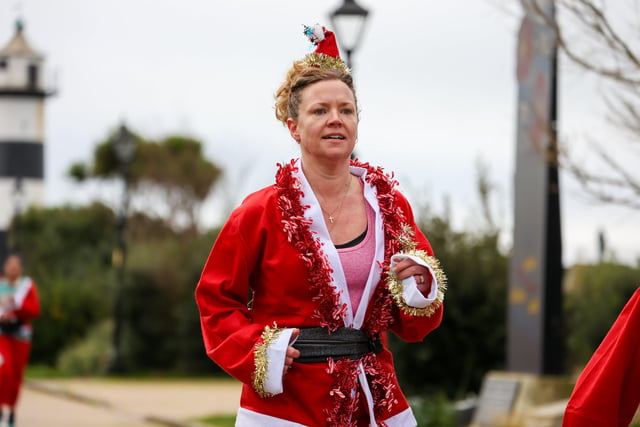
[[408, 246], [269, 335], [396, 287]]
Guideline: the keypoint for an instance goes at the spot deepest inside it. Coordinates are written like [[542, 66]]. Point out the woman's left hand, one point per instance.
[[408, 267], [292, 353]]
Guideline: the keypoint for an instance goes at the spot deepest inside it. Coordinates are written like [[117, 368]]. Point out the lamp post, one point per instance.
[[348, 21], [124, 146]]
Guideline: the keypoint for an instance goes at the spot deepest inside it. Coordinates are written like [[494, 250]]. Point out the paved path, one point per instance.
[[124, 403]]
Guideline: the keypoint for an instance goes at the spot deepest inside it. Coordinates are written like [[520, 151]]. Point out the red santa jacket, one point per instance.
[[273, 268], [607, 392], [27, 307]]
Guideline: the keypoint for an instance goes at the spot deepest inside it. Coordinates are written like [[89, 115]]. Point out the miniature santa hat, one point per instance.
[[326, 54], [607, 392]]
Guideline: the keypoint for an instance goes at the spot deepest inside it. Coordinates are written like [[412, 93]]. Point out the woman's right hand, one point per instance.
[[292, 353]]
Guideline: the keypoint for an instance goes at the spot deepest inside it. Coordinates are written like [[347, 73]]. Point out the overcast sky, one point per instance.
[[435, 79]]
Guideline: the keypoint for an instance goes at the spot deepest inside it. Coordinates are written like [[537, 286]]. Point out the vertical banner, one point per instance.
[[535, 270]]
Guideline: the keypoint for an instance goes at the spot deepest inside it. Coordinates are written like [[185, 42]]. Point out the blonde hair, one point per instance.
[[299, 76]]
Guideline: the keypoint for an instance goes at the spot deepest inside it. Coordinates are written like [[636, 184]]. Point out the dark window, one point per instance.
[[33, 76], [3, 62]]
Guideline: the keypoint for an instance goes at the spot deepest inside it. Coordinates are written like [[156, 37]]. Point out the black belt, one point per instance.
[[317, 344], [10, 326]]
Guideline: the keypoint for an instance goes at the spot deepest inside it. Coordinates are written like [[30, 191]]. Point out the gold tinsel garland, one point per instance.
[[321, 60], [395, 286], [269, 335]]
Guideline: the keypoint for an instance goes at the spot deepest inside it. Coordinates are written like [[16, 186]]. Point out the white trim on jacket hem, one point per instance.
[[247, 418], [403, 419]]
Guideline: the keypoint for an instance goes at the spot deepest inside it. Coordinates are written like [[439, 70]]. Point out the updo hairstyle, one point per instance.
[[299, 76]]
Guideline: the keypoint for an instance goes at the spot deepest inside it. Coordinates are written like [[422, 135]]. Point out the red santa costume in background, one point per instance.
[[277, 247], [15, 340], [607, 392]]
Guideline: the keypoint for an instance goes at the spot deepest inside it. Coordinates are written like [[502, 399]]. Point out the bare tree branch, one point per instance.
[[591, 40], [593, 22]]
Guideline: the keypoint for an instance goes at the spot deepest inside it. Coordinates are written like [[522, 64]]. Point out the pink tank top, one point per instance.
[[356, 262]]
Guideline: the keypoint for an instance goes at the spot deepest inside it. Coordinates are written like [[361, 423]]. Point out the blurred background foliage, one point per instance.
[[471, 339], [595, 295], [68, 251], [172, 174]]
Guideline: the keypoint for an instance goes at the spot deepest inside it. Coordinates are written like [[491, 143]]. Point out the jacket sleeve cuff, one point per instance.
[[406, 294], [270, 355]]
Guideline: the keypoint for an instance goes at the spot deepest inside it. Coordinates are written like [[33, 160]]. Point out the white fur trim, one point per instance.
[[276, 353], [403, 419], [22, 289], [412, 296], [247, 418]]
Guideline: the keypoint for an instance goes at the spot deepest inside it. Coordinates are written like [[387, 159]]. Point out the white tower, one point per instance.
[[22, 96]]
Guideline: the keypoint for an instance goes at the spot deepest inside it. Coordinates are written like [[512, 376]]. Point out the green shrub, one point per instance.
[[433, 411], [596, 295], [90, 356], [67, 252], [471, 339], [159, 306]]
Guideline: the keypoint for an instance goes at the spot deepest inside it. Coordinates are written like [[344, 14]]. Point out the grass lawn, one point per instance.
[[42, 371], [219, 420]]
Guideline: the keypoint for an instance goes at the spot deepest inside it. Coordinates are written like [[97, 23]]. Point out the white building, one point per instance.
[[22, 97]]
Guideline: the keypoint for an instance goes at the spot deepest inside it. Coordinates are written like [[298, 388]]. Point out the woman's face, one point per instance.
[[327, 124], [12, 268]]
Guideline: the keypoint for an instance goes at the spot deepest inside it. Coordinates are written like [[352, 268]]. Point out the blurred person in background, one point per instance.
[[19, 305], [307, 275]]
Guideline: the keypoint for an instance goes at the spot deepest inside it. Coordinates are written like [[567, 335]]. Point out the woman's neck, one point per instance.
[[328, 181], [12, 282]]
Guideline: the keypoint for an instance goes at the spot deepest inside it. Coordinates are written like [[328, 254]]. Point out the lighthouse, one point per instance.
[[22, 98]]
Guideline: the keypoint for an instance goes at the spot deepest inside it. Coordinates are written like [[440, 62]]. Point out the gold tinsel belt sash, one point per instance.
[[317, 344]]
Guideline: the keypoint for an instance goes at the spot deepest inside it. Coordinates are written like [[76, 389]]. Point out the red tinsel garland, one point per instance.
[[330, 311], [345, 392]]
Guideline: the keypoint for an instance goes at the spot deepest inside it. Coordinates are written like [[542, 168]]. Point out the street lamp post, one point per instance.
[[124, 146], [348, 21]]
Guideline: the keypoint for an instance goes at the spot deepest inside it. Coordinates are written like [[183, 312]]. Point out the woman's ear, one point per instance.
[[293, 129]]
